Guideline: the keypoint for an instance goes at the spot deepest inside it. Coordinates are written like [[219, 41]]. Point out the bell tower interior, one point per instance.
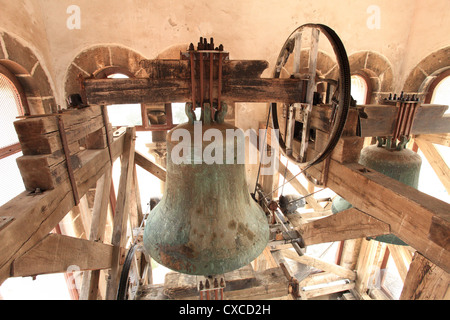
[[225, 150]]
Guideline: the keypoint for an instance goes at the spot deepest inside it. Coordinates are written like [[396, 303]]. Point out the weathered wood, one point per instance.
[[320, 264], [140, 90], [44, 164], [438, 138], [420, 220], [368, 266], [4, 221], [37, 214], [401, 260], [436, 161], [241, 284], [379, 120], [56, 253], [89, 288], [425, 281], [349, 224], [350, 252], [119, 239], [180, 69], [150, 166]]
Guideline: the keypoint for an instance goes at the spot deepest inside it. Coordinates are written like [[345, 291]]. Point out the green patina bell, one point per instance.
[[206, 222], [396, 162]]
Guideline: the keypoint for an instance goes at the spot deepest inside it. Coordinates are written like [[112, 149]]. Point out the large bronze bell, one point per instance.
[[397, 163], [206, 222]]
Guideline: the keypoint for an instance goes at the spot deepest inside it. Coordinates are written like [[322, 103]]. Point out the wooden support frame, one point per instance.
[[35, 215], [120, 217], [425, 281], [436, 161], [418, 219]]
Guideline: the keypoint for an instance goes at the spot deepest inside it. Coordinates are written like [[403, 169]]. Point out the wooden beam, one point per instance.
[[56, 253], [425, 281], [320, 264], [420, 220], [150, 166], [401, 258], [119, 239], [439, 138], [329, 288], [379, 120], [35, 215], [436, 161], [146, 90], [349, 224]]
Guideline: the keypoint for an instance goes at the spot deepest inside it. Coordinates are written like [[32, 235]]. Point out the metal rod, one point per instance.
[[193, 80], [201, 79], [262, 151], [219, 89], [308, 195], [211, 81], [65, 145]]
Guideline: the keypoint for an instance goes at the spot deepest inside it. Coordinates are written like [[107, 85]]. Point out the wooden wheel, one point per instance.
[[133, 275], [294, 121]]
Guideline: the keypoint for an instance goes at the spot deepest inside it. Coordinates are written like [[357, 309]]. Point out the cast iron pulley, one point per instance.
[[294, 121]]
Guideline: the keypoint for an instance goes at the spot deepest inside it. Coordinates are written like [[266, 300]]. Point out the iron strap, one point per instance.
[[65, 145]]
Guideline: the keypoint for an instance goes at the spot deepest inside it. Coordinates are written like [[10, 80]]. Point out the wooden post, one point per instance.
[[120, 217], [437, 163], [89, 288], [425, 281]]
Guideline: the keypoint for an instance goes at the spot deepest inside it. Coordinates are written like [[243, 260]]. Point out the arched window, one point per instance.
[[10, 108], [359, 89], [439, 91]]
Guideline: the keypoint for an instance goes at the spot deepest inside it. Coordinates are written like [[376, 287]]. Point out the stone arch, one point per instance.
[[376, 70], [93, 60], [426, 71], [23, 63]]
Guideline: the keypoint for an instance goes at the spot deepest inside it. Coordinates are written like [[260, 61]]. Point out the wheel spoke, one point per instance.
[[285, 116]]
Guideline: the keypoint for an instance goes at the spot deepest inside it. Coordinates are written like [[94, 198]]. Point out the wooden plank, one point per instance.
[[329, 289], [118, 239], [398, 256], [320, 264], [37, 214], [56, 253], [425, 281], [240, 285], [436, 161], [319, 278], [368, 266], [420, 220], [349, 224], [150, 166]]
